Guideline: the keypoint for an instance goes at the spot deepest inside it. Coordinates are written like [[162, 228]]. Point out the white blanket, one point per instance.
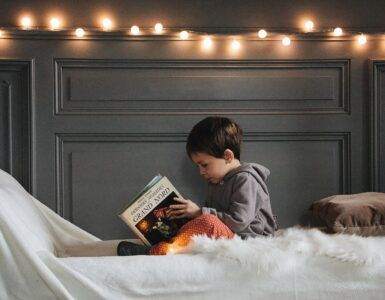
[[299, 264]]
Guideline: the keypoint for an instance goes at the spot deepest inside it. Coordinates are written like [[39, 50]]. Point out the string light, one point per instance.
[[135, 30], [207, 42], [106, 24], [26, 23], [286, 41], [309, 25], [79, 32], [158, 28], [235, 45], [337, 31], [183, 35], [362, 39], [262, 33], [54, 23]]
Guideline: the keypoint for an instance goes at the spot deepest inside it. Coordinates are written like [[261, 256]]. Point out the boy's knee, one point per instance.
[[216, 227], [208, 219]]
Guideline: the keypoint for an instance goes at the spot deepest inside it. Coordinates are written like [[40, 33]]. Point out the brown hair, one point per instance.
[[213, 135]]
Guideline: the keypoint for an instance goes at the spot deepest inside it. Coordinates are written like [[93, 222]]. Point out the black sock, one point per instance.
[[127, 248]]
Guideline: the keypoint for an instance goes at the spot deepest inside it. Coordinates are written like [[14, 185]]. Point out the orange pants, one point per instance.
[[205, 224]]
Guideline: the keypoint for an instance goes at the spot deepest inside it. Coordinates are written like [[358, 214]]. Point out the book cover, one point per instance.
[[146, 214]]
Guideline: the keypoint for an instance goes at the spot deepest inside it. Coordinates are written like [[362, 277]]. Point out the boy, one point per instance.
[[238, 199]]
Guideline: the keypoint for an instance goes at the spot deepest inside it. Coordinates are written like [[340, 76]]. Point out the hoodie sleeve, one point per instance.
[[243, 201]]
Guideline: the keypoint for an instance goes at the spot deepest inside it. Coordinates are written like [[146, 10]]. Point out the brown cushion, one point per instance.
[[362, 214]]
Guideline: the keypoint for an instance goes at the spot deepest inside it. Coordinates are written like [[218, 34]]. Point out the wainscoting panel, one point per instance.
[[15, 120], [97, 173], [180, 87]]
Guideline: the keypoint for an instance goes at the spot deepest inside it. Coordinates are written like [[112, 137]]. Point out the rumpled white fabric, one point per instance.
[[298, 264]]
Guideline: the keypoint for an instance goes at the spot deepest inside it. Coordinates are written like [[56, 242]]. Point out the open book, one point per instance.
[[146, 213]]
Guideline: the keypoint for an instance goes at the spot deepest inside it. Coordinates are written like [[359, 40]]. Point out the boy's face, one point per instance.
[[213, 169]]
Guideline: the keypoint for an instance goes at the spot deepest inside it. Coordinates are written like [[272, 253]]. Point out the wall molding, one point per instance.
[[62, 108], [171, 33], [21, 165], [377, 70], [8, 88], [343, 138]]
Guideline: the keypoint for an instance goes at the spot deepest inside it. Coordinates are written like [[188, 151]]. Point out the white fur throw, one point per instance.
[[296, 264], [269, 254]]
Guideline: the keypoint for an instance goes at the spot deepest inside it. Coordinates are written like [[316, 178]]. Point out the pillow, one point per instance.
[[361, 214]]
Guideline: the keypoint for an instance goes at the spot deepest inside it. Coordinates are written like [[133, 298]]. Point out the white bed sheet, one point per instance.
[[31, 235]]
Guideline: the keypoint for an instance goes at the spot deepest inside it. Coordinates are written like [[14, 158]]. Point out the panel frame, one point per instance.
[[377, 163], [61, 63], [343, 138], [25, 67]]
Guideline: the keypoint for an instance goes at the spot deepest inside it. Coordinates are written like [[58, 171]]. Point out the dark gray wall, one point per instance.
[[98, 118], [202, 13]]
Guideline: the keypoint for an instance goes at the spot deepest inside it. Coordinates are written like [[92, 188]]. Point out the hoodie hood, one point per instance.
[[259, 172], [253, 168]]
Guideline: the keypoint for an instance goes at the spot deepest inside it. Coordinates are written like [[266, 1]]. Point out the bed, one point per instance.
[[296, 264]]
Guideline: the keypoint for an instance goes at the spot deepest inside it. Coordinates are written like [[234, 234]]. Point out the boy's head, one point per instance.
[[214, 144]]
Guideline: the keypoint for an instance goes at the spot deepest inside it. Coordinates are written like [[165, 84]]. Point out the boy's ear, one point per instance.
[[228, 155]]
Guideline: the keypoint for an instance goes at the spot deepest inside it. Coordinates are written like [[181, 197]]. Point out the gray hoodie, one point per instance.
[[241, 201]]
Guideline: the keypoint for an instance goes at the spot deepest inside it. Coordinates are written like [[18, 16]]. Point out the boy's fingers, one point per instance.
[[176, 212], [180, 200], [180, 216], [177, 206]]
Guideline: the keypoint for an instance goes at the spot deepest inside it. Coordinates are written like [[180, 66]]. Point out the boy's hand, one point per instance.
[[186, 209]]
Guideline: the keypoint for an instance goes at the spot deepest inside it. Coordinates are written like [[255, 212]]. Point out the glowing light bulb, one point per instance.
[[135, 30], [106, 24], [262, 33], [26, 22], [207, 42], [1, 34], [362, 39], [235, 45], [79, 32], [158, 28], [309, 25], [337, 31], [54, 23], [183, 35], [286, 41]]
